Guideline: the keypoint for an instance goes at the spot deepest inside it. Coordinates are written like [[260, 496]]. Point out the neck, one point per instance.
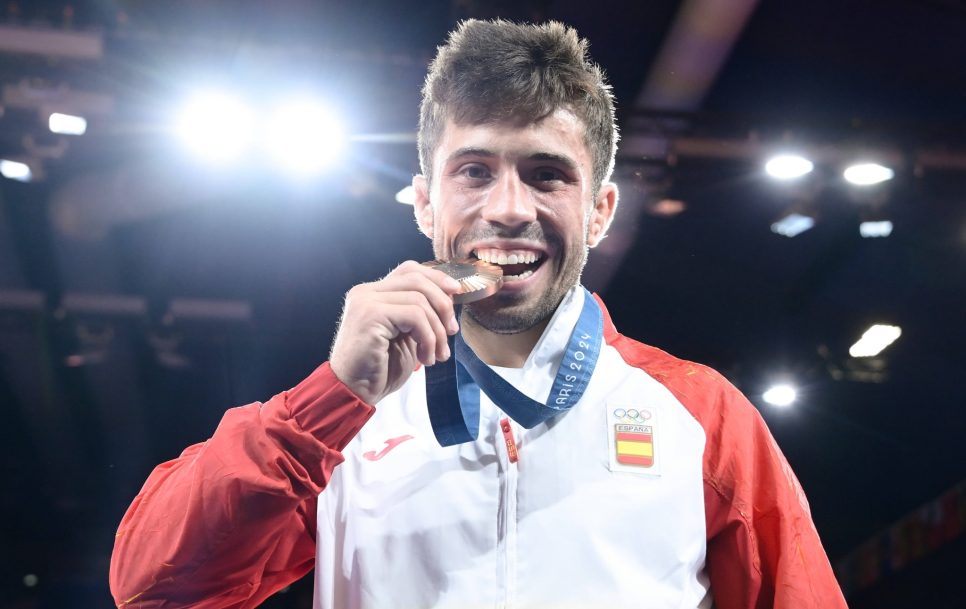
[[505, 350]]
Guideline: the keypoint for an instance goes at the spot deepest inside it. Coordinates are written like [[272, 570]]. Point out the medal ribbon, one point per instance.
[[453, 387]]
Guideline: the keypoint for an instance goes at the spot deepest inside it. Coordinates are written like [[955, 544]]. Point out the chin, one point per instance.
[[512, 313]]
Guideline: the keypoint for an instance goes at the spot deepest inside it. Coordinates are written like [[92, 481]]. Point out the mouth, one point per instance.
[[517, 264]]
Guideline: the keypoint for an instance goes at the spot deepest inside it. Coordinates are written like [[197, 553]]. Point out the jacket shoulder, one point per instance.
[[702, 390], [686, 379]]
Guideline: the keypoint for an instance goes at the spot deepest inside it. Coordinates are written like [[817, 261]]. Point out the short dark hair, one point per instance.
[[498, 71]]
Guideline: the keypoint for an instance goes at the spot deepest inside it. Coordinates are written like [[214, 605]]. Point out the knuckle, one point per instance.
[[408, 267], [443, 306], [444, 301], [418, 313], [357, 290]]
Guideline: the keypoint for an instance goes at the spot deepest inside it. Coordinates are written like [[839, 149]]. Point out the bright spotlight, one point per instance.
[[788, 167], [867, 174], [67, 124], [304, 137], [15, 170], [406, 196], [874, 340], [878, 228], [780, 395], [216, 126], [792, 224]]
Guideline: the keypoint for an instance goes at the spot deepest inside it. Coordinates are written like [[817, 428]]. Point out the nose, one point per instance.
[[509, 202]]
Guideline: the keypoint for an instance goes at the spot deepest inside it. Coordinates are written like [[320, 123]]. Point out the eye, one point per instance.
[[547, 174], [548, 178], [475, 171]]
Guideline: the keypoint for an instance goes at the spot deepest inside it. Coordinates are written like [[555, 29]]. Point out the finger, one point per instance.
[[411, 297], [444, 281], [411, 320], [440, 301]]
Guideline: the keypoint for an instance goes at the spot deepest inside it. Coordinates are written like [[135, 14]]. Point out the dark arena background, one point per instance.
[[793, 174]]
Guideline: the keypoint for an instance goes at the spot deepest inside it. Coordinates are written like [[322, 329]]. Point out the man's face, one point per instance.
[[521, 197]]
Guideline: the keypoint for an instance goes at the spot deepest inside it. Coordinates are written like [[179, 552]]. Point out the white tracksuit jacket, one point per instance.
[[660, 489]]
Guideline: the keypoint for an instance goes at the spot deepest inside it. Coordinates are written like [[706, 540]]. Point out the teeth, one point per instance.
[[493, 256], [522, 275]]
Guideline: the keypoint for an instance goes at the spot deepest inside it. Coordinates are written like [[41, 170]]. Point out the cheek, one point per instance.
[[574, 227], [447, 229], [446, 223], [456, 217]]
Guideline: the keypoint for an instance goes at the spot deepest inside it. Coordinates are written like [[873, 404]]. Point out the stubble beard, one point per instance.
[[508, 313], [512, 314]]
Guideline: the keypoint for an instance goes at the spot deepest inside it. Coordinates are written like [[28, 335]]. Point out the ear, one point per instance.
[[603, 212], [422, 207]]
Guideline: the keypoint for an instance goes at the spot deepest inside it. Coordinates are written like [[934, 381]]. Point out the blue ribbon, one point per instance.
[[453, 387]]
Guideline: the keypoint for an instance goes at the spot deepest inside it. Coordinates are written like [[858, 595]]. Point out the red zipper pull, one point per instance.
[[511, 444]]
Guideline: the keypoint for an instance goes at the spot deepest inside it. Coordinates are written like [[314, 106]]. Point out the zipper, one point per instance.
[[511, 444], [508, 518]]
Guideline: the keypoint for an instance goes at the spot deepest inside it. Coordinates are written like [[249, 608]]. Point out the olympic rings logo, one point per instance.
[[632, 414]]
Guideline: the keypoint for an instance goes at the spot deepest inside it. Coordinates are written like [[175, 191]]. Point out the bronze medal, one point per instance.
[[478, 279]]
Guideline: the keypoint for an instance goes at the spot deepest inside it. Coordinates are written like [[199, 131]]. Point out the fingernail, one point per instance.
[[453, 325], [454, 285], [445, 352]]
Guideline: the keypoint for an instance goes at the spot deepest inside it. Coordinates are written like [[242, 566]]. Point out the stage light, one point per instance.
[[788, 167], [792, 224], [304, 137], [216, 126], [874, 340], [406, 196], [878, 228], [67, 124], [15, 170], [780, 395], [867, 174]]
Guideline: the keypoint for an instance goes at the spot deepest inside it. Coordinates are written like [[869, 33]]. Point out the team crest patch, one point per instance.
[[632, 434]]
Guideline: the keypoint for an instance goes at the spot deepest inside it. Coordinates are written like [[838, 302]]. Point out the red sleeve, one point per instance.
[[763, 549], [232, 520]]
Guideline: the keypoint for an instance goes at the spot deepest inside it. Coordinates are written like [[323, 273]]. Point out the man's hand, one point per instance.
[[390, 326]]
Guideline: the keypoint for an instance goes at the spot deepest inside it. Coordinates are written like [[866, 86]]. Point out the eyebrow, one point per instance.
[[536, 156], [469, 151], [566, 161]]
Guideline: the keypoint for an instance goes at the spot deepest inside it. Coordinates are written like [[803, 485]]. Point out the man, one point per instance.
[[622, 477]]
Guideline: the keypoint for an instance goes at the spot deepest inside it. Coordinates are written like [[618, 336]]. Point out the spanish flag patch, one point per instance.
[[633, 441], [635, 444]]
